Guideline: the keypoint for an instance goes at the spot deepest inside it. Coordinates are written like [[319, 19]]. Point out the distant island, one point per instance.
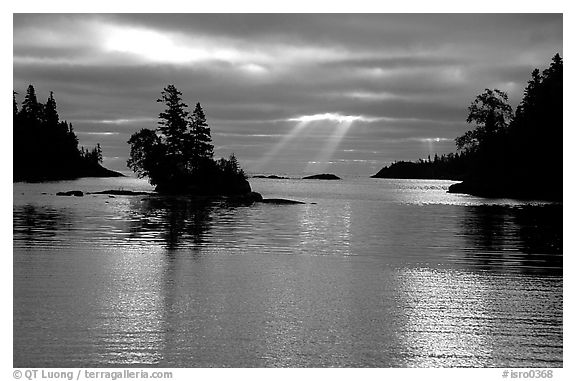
[[444, 167], [322, 176], [270, 177], [177, 157], [46, 148], [507, 154]]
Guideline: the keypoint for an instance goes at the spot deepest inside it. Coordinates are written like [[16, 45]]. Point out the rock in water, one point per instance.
[[76, 193]]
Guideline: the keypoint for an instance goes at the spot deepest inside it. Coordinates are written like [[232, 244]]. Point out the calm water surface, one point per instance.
[[368, 273]]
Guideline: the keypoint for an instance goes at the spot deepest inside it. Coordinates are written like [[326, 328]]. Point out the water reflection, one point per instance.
[[326, 230], [33, 223], [128, 322], [446, 318], [177, 219], [526, 238], [460, 318], [168, 281]]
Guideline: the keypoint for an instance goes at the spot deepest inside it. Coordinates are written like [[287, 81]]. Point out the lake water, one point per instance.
[[368, 273]]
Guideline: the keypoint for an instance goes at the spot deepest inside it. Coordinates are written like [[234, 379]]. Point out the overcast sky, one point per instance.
[[289, 94]]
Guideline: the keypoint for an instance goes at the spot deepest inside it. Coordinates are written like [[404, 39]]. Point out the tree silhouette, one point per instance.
[[536, 132], [46, 148], [523, 157], [31, 110], [146, 154], [173, 121], [50, 113], [202, 148], [491, 114], [178, 156], [505, 154], [452, 166]]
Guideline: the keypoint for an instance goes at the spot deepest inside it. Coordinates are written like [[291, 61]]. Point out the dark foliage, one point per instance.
[[445, 167], [522, 158], [491, 114], [46, 148], [178, 156], [506, 154]]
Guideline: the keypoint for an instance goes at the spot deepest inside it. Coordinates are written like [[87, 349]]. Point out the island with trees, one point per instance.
[[444, 167], [46, 148], [322, 176], [177, 157], [507, 154]]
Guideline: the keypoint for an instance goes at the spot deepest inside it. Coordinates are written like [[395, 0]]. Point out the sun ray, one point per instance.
[[321, 161], [341, 123], [278, 147]]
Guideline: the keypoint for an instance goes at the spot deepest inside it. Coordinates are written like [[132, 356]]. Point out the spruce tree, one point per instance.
[[31, 109], [50, 113], [45, 147], [173, 121], [201, 140], [178, 156]]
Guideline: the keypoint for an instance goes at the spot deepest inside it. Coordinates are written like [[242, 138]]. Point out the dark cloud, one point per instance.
[[409, 76]]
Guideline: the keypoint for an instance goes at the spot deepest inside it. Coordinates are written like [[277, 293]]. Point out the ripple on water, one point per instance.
[[376, 273]]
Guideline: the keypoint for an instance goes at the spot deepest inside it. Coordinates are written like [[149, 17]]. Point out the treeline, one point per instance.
[[517, 154], [46, 148], [509, 153], [178, 157], [450, 166]]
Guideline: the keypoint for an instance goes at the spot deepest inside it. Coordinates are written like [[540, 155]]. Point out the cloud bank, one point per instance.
[[402, 81]]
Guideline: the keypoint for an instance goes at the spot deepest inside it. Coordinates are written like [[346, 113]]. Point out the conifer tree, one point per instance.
[[50, 113], [31, 109], [173, 120], [202, 148], [44, 146], [178, 156], [522, 158]]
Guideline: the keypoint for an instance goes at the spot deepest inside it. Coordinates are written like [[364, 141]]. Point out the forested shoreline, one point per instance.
[[507, 154], [46, 148], [450, 166]]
